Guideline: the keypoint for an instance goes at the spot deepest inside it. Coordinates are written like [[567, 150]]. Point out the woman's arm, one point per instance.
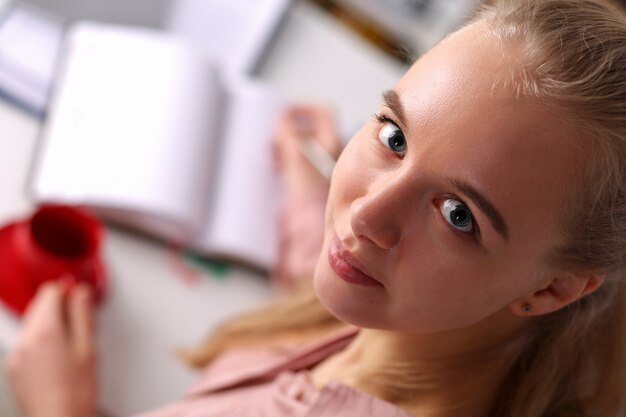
[[52, 371]]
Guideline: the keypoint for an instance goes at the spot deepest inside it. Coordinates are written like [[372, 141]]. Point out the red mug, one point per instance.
[[57, 241]]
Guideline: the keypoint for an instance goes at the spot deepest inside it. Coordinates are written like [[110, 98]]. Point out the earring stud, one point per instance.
[[526, 308]]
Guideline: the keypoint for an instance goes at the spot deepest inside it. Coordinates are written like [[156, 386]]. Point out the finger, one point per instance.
[[281, 137], [80, 320], [286, 136], [44, 311], [326, 130], [286, 128], [314, 121]]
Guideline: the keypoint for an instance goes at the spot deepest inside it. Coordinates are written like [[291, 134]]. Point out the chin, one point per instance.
[[346, 302]]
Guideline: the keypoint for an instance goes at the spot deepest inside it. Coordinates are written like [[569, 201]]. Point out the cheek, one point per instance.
[[359, 163], [436, 291]]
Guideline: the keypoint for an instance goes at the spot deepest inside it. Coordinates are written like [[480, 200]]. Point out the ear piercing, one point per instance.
[[526, 308]]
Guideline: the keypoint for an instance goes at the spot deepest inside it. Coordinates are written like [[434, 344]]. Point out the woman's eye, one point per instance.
[[458, 215], [392, 137]]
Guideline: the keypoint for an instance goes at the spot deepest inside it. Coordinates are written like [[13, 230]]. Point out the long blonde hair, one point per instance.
[[574, 364]]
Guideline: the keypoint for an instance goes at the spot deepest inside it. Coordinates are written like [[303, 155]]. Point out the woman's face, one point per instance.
[[443, 207]]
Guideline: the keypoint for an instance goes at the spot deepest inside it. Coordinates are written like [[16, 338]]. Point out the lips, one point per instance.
[[347, 267]]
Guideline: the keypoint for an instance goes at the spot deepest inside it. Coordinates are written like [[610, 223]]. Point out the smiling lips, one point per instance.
[[346, 267]]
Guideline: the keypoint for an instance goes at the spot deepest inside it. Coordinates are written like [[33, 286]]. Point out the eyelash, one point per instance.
[[381, 119], [476, 230]]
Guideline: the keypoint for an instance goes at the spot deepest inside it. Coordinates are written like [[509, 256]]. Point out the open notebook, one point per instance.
[[143, 130]]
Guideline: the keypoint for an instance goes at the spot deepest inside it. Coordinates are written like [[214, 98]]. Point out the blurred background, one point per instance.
[[403, 28], [395, 31]]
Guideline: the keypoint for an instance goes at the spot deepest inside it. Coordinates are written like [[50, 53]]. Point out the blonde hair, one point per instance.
[[574, 57]]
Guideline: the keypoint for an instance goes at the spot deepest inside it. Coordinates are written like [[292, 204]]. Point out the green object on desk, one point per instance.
[[220, 269]]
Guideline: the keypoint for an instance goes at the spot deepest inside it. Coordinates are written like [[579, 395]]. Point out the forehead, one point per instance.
[[516, 150], [466, 67]]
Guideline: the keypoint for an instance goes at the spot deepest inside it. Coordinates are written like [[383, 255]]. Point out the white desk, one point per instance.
[[150, 309]]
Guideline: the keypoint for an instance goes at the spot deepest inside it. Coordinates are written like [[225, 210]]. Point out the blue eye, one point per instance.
[[458, 215], [392, 137]]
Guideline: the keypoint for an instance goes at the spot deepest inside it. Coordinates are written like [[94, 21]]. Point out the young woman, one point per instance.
[[474, 243]]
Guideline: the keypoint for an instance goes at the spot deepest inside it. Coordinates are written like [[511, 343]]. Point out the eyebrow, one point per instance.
[[485, 206], [392, 100]]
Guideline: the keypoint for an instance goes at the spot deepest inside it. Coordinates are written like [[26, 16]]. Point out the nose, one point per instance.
[[378, 217]]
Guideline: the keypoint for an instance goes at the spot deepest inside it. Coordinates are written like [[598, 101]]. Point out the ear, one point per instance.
[[560, 292]]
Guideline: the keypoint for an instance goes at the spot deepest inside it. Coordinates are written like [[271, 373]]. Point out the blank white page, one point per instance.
[[243, 218], [130, 127]]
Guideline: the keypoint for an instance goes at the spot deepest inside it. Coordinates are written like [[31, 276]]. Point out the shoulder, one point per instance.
[[241, 366]]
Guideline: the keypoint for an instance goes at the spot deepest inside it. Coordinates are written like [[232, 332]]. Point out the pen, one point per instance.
[[317, 156], [310, 148]]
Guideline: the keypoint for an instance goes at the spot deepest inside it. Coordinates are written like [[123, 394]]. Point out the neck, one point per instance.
[[441, 374]]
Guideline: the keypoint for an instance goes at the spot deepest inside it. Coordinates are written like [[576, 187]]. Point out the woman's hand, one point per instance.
[[296, 124], [301, 228], [53, 369]]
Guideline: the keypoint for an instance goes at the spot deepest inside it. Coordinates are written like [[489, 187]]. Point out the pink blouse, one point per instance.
[[276, 383]]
